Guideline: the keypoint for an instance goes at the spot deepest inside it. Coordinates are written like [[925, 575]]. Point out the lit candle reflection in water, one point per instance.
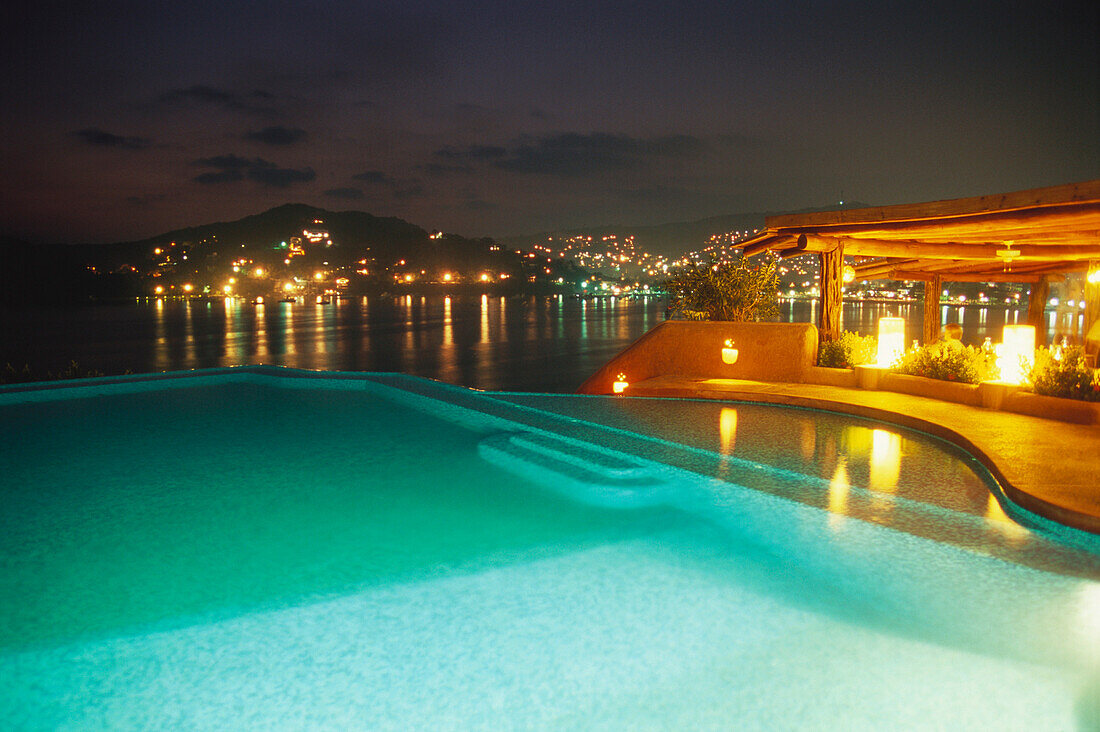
[[809, 440], [727, 429], [1017, 535], [885, 460], [838, 493]]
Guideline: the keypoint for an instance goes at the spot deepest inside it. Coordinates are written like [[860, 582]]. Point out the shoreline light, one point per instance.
[[891, 340], [619, 386]]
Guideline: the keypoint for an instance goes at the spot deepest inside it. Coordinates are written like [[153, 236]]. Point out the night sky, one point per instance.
[[122, 120]]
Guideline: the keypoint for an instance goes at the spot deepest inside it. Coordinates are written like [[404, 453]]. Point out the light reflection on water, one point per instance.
[[518, 343]]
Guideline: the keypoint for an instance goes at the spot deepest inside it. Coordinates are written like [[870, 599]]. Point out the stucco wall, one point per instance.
[[765, 352]]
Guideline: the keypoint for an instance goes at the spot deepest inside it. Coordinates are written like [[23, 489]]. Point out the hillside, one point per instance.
[[672, 239]]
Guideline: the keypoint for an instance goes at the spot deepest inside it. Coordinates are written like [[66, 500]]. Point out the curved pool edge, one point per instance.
[[1023, 505]]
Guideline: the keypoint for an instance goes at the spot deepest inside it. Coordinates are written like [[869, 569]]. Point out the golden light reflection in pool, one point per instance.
[[838, 493], [727, 429], [809, 439], [1012, 531], [885, 460]]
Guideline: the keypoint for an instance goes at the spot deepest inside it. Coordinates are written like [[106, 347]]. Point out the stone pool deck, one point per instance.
[[1049, 467]]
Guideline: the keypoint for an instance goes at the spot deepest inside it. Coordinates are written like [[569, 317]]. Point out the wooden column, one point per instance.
[[1092, 296], [1040, 291], [932, 316], [832, 279]]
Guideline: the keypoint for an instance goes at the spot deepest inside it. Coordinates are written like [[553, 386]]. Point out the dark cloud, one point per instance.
[[255, 102], [486, 152], [346, 193], [228, 162], [99, 138], [233, 168], [474, 152], [222, 176], [413, 190], [572, 154], [145, 201], [277, 135], [478, 205], [373, 176], [568, 155], [446, 169], [280, 177]]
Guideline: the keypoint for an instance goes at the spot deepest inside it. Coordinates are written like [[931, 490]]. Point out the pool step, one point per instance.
[[576, 470]]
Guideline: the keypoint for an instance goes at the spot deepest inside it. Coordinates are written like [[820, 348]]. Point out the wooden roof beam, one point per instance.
[[924, 250], [1071, 194], [765, 242]]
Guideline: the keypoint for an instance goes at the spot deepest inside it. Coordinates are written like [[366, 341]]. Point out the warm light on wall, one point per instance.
[[729, 353], [891, 340], [619, 386], [1016, 353]]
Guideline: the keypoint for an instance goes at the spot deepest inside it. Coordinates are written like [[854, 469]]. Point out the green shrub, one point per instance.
[[726, 291], [850, 350], [1062, 372], [948, 362]]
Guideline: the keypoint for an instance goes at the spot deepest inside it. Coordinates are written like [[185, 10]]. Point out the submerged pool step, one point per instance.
[[575, 470]]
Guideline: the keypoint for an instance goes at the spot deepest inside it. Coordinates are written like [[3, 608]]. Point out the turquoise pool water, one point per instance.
[[265, 548]]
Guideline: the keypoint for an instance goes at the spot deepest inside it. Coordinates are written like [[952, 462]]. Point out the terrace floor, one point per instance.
[[1049, 467]]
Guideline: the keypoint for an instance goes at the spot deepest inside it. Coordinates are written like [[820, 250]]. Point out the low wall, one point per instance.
[[765, 352], [1065, 410]]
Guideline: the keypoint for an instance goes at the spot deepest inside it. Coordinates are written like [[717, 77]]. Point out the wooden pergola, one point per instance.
[[1029, 236]]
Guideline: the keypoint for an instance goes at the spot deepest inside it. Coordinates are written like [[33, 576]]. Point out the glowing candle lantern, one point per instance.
[[729, 353], [891, 340], [1017, 352], [619, 386]]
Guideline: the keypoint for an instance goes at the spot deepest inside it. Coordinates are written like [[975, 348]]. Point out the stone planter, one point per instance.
[[1065, 410], [945, 391], [832, 377]]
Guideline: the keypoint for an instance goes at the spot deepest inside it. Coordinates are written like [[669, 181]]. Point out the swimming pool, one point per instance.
[[269, 548]]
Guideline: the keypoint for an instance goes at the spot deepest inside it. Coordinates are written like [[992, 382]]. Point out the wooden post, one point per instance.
[[832, 280], [932, 316], [1040, 291], [1092, 297]]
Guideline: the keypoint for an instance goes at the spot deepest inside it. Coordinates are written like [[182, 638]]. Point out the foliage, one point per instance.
[[948, 361], [851, 349], [10, 375], [726, 291], [1063, 372]]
